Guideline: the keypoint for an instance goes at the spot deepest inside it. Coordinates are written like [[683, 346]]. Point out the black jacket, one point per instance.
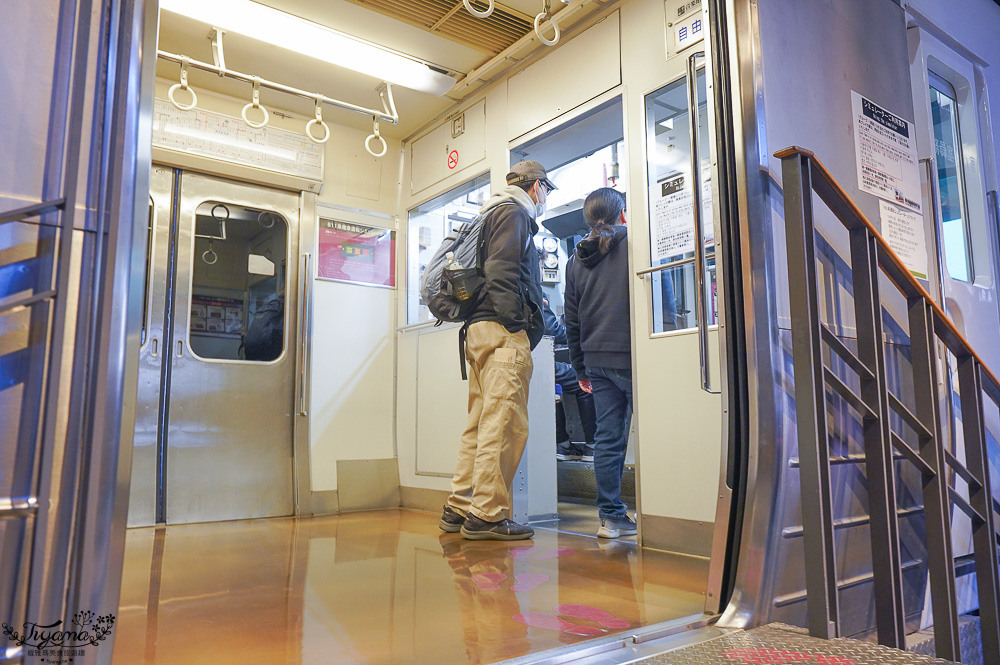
[[512, 294], [598, 325]]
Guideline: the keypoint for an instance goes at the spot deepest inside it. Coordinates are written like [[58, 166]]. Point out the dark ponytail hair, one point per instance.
[[602, 209]]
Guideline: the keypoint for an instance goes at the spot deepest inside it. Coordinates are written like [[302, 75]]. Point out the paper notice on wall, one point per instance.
[[673, 218], [886, 150], [904, 231]]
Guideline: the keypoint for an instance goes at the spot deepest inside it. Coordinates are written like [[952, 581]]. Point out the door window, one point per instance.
[[671, 218], [237, 309], [429, 223], [950, 177]]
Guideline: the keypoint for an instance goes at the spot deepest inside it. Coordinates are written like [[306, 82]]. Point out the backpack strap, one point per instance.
[[462, 333]]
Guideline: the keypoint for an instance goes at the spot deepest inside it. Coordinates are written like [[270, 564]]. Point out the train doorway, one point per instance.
[[581, 155], [667, 176], [215, 412]]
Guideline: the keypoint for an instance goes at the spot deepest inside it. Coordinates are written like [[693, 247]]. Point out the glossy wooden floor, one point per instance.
[[383, 588]]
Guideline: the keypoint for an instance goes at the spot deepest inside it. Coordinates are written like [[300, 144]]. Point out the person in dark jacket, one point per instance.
[[568, 382], [505, 325], [598, 330]]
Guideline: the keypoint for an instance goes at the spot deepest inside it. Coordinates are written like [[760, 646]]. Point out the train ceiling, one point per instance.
[[441, 32]]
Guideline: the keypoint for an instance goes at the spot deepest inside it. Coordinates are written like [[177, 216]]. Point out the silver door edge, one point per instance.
[[300, 427]]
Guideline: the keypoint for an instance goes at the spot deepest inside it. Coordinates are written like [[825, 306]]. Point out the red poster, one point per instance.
[[356, 253]]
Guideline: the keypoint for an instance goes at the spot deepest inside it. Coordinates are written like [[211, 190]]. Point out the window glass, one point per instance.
[[238, 283], [428, 224], [671, 217], [950, 177], [578, 178]]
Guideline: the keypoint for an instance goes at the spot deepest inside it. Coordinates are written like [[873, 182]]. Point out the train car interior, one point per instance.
[[269, 416]]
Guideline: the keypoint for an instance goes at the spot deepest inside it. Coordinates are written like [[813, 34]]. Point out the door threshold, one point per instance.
[[630, 646]]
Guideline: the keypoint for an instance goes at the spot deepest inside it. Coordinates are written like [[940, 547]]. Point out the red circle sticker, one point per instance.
[[453, 159]]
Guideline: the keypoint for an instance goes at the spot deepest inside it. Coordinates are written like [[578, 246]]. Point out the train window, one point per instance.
[[955, 231], [238, 283], [428, 225], [671, 218]]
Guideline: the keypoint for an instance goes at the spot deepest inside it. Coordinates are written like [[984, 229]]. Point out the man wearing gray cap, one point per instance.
[[504, 327]]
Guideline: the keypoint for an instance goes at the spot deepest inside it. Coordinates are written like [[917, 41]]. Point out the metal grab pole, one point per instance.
[[700, 305], [388, 113]]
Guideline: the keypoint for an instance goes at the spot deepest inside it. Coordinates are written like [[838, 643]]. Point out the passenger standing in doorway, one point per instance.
[[598, 330], [503, 329]]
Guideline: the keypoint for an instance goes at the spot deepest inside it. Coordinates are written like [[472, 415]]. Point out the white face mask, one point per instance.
[[540, 206]]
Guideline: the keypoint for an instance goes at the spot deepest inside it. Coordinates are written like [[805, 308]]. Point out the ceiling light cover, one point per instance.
[[314, 40]]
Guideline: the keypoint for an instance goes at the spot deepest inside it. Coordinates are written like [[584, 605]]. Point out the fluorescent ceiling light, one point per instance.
[[668, 123], [314, 40]]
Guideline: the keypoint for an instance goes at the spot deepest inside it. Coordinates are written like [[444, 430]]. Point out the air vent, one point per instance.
[[449, 19]]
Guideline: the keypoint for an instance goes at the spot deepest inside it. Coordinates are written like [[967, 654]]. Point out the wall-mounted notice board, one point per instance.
[[218, 136]]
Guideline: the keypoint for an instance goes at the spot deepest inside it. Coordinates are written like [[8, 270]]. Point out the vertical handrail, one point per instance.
[[937, 513], [305, 286], [700, 304], [880, 471], [810, 402], [981, 500]]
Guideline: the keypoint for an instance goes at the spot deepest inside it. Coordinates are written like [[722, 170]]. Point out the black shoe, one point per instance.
[[477, 529], [451, 520], [567, 451]]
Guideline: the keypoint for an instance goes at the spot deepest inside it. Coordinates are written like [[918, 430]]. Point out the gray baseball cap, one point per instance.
[[529, 171]]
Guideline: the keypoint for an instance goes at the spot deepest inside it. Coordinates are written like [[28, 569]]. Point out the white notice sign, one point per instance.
[[673, 218], [887, 154], [904, 231], [688, 31]]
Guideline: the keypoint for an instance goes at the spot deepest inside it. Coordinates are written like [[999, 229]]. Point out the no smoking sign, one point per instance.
[[453, 159]]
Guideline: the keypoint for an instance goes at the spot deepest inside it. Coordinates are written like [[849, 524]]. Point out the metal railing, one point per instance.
[[938, 466]]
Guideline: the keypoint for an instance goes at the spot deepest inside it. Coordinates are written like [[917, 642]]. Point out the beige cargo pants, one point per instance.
[[497, 428]]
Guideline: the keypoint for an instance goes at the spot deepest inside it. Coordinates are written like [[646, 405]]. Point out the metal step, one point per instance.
[[778, 643], [577, 484]]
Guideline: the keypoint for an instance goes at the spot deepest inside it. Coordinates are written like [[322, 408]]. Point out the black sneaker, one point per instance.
[[451, 520], [567, 451], [477, 529]]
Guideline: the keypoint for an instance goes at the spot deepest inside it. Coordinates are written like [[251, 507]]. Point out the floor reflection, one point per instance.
[[383, 588]]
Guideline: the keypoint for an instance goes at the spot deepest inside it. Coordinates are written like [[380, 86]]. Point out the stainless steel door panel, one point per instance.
[[142, 500], [229, 438]]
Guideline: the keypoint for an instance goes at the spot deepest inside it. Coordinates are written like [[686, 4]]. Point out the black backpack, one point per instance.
[[264, 337]]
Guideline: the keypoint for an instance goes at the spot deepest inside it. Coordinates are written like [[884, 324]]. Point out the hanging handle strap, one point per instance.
[[318, 120], [477, 13]]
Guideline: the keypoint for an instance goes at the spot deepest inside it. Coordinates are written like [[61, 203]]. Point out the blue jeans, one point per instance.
[[613, 401]]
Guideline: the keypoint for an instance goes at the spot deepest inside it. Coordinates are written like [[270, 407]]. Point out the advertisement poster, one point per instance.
[[212, 314], [356, 253], [904, 231], [673, 217], [886, 150]]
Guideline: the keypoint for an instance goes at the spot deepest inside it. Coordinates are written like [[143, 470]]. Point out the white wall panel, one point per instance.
[[574, 73], [442, 401], [352, 372], [438, 154]]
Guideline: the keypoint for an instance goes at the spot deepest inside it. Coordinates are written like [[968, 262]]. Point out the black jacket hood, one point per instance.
[[586, 250]]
